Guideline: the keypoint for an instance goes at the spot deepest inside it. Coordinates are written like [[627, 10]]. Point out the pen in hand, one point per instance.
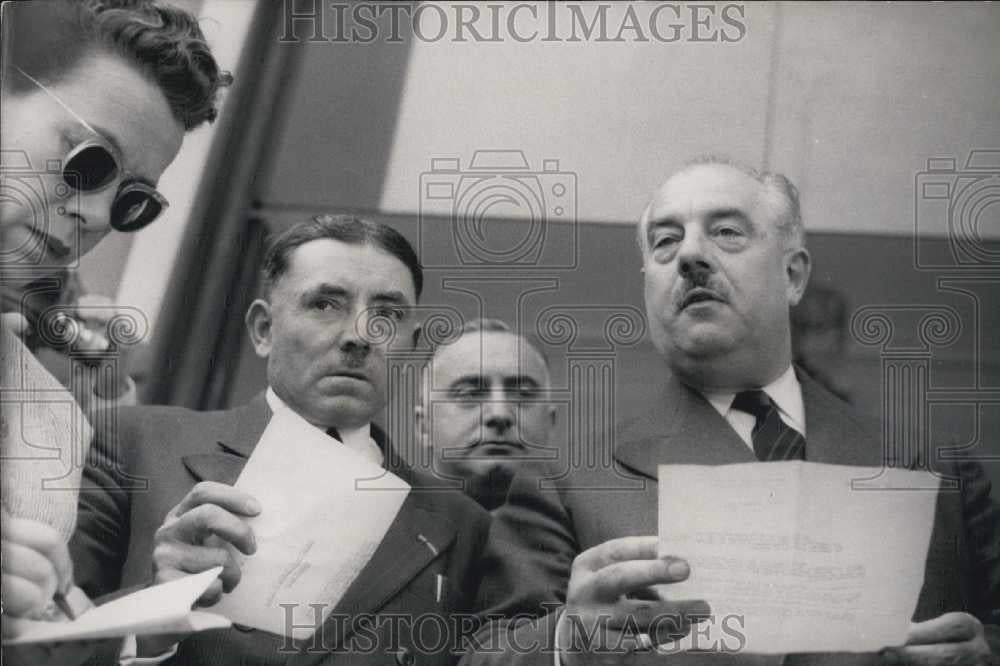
[[62, 604], [73, 602]]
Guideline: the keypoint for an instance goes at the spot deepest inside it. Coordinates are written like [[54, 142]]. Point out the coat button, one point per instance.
[[404, 657]]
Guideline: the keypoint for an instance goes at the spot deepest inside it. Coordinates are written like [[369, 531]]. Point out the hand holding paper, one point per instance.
[[189, 539], [316, 531], [805, 562], [610, 583], [952, 638]]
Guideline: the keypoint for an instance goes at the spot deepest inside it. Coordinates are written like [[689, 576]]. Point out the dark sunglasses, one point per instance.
[[94, 164]]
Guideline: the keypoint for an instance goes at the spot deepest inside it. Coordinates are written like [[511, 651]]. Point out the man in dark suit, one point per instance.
[[484, 415], [163, 487], [723, 260]]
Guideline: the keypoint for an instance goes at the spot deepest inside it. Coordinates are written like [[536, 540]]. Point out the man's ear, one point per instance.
[[258, 322], [798, 266]]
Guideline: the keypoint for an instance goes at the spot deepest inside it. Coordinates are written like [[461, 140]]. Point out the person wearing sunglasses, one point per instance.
[[97, 98]]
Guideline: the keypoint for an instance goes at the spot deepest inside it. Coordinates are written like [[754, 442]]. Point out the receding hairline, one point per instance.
[[776, 190], [442, 349]]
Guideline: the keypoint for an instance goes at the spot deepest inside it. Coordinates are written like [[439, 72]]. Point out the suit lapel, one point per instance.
[[682, 429], [833, 435], [227, 457], [417, 536]]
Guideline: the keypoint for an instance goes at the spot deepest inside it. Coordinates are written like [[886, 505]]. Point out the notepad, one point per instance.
[[160, 609]]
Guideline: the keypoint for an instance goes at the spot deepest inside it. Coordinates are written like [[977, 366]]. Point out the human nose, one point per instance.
[[94, 208], [357, 337], [498, 412], [694, 260]]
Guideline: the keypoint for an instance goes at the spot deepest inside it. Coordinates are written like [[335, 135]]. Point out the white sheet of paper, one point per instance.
[[161, 609], [316, 530], [796, 559]]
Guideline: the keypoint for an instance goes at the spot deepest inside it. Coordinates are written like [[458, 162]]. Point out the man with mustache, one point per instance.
[[484, 414], [724, 259], [330, 286]]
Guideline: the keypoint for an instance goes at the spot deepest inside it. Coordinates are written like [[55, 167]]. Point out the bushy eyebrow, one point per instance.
[[509, 382], [393, 296], [728, 213], [324, 289], [713, 215], [330, 290], [660, 222]]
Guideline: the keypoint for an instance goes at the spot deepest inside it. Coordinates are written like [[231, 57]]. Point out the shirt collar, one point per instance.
[[784, 391], [352, 437]]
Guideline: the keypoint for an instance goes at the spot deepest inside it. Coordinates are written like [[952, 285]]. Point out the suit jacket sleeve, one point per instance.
[[527, 565], [982, 529], [99, 546]]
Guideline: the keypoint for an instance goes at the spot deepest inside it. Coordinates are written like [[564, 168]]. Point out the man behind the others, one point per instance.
[[323, 283], [723, 259], [484, 413]]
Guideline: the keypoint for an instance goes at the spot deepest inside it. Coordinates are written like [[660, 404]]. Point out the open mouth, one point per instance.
[[700, 295]]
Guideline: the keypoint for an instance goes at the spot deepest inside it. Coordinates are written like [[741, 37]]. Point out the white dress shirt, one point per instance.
[[785, 392], [358, 439]]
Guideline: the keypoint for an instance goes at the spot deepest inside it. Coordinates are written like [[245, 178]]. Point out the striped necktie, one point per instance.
[[773, 439]]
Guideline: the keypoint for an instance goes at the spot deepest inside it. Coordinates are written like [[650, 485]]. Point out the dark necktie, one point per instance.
[[772, 439]]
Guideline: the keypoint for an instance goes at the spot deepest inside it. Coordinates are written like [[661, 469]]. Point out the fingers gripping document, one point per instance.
[[161, 609], [316, 531], [795, 556]]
